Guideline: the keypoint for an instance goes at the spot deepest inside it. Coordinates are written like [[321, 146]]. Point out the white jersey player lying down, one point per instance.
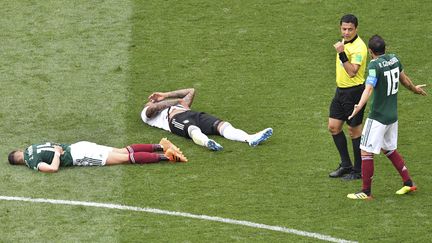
[[171, 111]]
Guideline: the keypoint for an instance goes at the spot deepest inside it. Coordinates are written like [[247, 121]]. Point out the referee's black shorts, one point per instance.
[[180, 123], [343, 103]]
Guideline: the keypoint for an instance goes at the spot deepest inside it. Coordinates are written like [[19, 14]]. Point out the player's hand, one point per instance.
[[156, 97], [355, 111], [58, 149], [339, 46], [419, 89]]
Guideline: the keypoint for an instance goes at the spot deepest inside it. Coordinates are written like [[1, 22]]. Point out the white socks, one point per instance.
[[197, 136], [232, 133]]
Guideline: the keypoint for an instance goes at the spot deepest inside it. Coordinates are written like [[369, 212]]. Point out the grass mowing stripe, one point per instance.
[[63, 66], [180, 214]]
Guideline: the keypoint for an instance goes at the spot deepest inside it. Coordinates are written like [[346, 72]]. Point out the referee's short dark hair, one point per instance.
[[377, 45], [11, 157], [349, 18]]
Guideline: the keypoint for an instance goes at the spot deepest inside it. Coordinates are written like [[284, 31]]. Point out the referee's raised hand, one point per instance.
[[339, 46]]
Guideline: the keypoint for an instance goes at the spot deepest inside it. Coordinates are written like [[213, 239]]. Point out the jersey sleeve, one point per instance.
[[401, 68], [33, 164], [357, 56], [372, 77], [143, 114]]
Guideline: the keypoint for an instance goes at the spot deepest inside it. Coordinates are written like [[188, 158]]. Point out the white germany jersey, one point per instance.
[[159, 120]]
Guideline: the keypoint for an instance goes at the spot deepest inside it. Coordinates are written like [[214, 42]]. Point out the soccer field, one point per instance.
[[81, 70]]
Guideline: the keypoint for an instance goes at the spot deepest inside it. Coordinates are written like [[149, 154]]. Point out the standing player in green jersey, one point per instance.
[[48, 157], [350, 67], [380, 131]]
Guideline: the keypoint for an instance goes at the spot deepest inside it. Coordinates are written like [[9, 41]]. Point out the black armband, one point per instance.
[[343, 57]]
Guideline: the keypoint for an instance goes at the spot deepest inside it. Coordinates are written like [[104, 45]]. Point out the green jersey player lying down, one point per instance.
[[49, 157]]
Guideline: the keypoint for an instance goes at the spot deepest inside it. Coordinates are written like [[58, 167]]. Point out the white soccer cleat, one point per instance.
[[212, 145], [260, 137]]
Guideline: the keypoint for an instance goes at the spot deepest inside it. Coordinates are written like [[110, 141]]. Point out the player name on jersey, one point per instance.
[[388, 63]]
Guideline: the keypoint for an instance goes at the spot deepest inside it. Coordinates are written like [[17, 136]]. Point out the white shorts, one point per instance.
[[377, 136], [89, 154]]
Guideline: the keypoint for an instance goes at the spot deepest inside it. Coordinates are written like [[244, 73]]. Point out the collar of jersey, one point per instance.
[[352, 40]]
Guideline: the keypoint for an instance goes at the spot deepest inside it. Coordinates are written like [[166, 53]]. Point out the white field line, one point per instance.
[[181, 214]]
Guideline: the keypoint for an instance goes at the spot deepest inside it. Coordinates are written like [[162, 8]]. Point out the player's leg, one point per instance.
[[367, 175], [185, 125], [373, 136], [163, 145], [389, 149], [144, 148], [199, 125], [228, 131], [201, 139], [115, 158]]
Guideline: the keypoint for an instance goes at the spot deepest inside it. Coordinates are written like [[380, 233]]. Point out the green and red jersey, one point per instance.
[[384, 73]]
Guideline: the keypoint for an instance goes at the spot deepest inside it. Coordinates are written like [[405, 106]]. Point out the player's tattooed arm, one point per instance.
[[181, 93], [188, 98], [153, 108]]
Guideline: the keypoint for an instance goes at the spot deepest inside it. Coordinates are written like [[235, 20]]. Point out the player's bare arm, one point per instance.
[[188, 98], [367, 92], [186, 94], [55, 164], [406, 81], [157, 96], [153, 107], [182, 93]]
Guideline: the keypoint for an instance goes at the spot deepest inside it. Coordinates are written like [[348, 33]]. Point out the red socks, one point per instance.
[[144, 148], [399, 164], [367, 172], [368, 169], [144, 157], [143, 153]]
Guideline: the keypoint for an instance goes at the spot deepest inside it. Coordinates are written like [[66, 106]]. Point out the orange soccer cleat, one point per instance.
[[175, 156], [166, 144]]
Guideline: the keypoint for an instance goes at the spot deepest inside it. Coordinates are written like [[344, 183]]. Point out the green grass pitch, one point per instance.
[[81, 70]]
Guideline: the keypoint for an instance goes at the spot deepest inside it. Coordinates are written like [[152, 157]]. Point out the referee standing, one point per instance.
[[350, 68]]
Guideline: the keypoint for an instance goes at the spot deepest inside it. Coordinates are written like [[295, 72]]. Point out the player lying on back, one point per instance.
[[171, 111]]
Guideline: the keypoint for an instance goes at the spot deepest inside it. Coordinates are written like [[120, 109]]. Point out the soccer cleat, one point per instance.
[[359, 196], [260, 137], [340, 171], [175, 156], [406, 189], [212, 145], [352, 176], [166, 144]]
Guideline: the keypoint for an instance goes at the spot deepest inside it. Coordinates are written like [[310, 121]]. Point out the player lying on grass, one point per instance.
[[171, 111], [48, 157], [380, 132]]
